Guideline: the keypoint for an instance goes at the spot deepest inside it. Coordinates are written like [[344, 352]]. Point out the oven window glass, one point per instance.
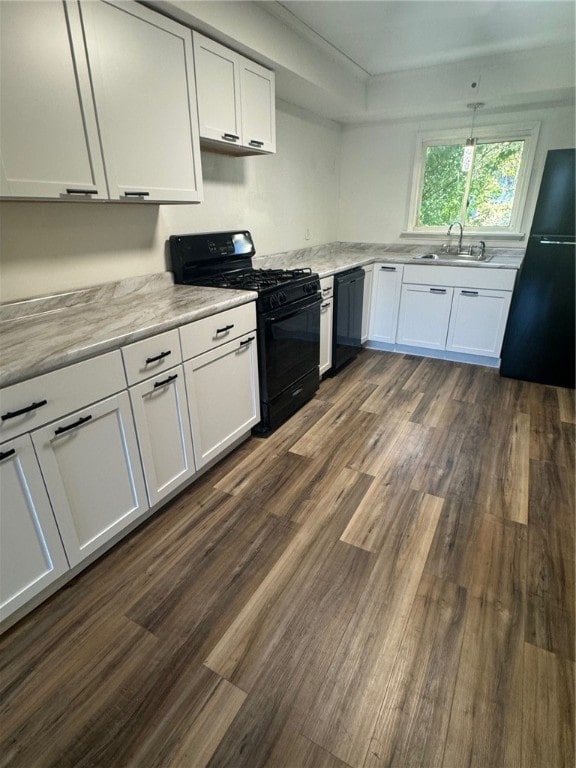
[[291, 347]]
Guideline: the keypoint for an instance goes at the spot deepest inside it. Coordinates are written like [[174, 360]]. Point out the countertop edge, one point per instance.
[[77, 354]]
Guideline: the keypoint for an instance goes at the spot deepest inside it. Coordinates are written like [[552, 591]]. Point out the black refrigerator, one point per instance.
[[539, 341]]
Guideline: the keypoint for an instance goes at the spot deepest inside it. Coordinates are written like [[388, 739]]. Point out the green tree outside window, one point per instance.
[[480, 197]]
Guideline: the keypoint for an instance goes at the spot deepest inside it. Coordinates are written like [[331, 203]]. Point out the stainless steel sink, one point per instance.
[[462, 257]]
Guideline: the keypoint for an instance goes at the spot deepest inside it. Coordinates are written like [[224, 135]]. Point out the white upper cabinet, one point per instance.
[[98, 102], [257, 88], [236, 99], [218, 84], [143, 78], [48, 133]]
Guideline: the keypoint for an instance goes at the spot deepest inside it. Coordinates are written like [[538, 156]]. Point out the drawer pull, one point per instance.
[[247, 341], [469, 293], [225, 329], [136, 194], [22, 411], [81, 420], [165, 381], [388, 269], [81, 191], [156, 358], [230, 137], [254, 143], [327, 290], [437, 290], [323, 306], [7, 454]]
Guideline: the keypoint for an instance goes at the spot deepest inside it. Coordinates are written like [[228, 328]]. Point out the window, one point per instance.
[[486, 194]]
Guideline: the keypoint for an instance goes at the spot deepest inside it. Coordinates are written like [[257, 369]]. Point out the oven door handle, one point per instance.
[[292, 310]]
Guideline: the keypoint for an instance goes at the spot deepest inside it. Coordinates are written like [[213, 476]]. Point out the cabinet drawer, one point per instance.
[[469, 277], [210, 332], [37, 401], [327, 287], [152, 356]]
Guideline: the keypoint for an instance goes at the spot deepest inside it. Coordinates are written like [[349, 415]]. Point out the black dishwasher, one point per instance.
[[347, 329]]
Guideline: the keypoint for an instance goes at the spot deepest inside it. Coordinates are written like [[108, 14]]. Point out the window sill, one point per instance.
[[468, 235]]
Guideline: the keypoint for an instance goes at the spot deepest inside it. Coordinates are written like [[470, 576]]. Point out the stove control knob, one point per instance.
[[282, 297], [273, 300]]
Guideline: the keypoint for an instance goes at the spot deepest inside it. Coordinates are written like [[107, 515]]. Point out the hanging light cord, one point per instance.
[[474, 106]]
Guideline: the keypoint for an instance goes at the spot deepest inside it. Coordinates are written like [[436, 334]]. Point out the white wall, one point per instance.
[[54, 247], [377, 164]]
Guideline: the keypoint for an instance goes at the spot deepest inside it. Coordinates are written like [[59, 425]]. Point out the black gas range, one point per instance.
[[287, 309]]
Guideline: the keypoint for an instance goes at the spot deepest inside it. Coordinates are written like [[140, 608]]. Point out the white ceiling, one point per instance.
[[383, 36]]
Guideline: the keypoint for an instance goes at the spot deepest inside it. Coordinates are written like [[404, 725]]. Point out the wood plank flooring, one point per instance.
[[387, 580]]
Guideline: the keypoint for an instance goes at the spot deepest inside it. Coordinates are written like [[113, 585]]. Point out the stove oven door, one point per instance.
[[288, 346]]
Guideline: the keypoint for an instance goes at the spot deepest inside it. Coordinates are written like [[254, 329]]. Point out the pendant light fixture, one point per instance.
[[471, 142]]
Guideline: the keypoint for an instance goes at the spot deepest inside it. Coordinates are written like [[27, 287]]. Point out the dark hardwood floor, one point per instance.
[[387, 580]]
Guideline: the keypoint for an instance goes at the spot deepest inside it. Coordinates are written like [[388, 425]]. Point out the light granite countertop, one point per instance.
[[330, 259], [41, 335]]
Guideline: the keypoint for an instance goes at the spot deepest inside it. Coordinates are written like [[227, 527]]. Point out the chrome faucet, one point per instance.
[[454, 223]]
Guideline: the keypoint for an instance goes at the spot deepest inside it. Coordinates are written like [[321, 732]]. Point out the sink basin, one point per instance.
[[464, 256]]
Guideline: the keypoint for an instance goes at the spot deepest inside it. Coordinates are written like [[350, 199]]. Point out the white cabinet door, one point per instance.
[[236, 99], [367, 300], [163, 429], [478, 321], [218, 84], [223, 396], [385, 301], [424, 316], [92, 470], [326, 319], [142, 72], [31, 552], [49, 142], [258, 107]]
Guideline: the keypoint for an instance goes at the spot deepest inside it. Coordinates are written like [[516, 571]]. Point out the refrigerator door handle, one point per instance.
[[545, 241]]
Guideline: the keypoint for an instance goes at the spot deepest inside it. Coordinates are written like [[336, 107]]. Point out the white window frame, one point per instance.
[[527, 132]]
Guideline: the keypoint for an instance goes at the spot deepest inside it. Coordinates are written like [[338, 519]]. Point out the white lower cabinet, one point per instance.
[[478, 321], [223, 396], [424, 316], [92, 470], [326, 322], [384, 302], [31, 551], [163, 429]]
